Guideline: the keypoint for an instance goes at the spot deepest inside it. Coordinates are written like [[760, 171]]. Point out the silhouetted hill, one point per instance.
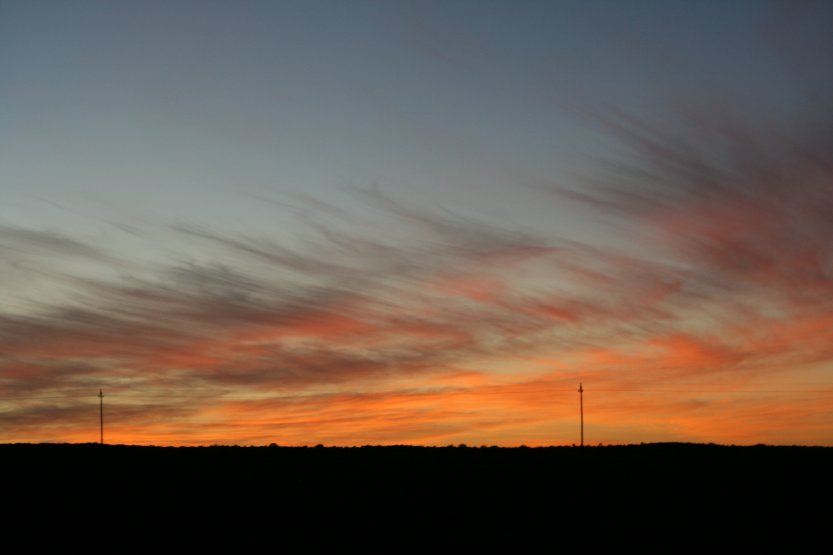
[[648, 494]]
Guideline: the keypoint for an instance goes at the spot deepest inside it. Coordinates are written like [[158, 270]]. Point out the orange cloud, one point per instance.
[[449, 330]]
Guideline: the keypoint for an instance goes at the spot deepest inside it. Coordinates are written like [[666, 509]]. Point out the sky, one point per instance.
[[416, 222]]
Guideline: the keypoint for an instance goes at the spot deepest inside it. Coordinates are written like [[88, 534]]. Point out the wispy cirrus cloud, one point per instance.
[[355, 332], [17, 241], [336, 312]]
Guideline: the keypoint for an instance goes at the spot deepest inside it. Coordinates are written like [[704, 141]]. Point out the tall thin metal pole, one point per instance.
[[101, 414], [581, 408]]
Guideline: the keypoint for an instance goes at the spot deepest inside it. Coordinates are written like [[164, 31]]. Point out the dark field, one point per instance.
[[672, 495]]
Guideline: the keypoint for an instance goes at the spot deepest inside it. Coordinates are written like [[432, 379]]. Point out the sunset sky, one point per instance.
[[416, 222]]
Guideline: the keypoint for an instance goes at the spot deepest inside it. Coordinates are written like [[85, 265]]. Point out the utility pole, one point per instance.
[[581, 408], [101, 414]]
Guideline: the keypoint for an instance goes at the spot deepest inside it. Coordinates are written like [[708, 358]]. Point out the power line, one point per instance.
[[827, 389], [78, 396], [639, 390], [26, 398]]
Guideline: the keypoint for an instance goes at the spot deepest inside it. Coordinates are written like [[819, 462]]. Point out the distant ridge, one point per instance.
[[661, 444]]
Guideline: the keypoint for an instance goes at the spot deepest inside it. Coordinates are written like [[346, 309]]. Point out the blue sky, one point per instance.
[[178, 108]]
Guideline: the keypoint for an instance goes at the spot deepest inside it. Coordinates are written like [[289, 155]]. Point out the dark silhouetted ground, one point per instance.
[[654, 497]]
